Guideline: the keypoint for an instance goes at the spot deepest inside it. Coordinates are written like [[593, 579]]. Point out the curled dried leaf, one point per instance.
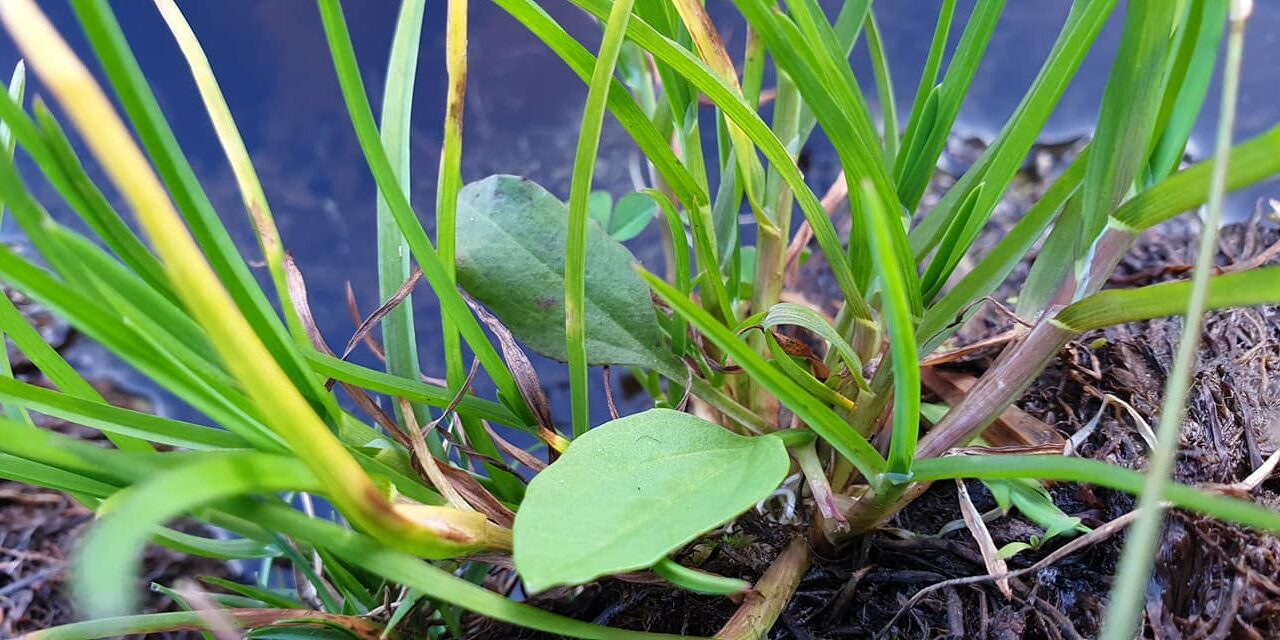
[[526, 377], [366, 326]]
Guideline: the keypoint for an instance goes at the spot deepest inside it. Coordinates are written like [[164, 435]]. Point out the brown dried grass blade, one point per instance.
[[302, 306], [428, 463], [978, 528], [353, 309], [607, 374], [367, 325], [797, 348], [526, 377], [525, 458]]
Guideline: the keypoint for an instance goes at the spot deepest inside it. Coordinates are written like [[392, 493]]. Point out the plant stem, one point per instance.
[[773, 591], [1125, 608], [771, 243]]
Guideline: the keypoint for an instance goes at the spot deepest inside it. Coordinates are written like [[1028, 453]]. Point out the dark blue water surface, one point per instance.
[[522, 116]]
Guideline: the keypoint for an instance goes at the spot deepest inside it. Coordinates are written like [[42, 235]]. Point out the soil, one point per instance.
[[39, 528], [1212, 580]]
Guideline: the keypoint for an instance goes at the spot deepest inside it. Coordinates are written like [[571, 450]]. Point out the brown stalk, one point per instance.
[[456, 485], [520, 455], [763, 604], [1014, 427], [297, 287], [370, 341], [526, 377], [608, 392], [1016, 368]]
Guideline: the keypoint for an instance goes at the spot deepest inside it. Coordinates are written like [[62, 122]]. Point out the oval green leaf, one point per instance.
[[632, 214], [633, 490], [511, 242]]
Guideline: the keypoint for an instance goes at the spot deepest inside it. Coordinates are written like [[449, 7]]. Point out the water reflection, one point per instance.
[[522, 117]]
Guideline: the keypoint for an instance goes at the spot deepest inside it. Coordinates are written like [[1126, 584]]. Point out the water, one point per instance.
[[522, 116]]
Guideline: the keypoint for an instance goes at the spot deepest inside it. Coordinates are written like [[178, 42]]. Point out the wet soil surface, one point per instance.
[[1212, 580]]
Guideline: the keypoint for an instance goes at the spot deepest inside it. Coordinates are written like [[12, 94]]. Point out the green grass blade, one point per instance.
[[130, 85], [899, 325], [106, 564], [432, 267], [1064, 469], [821, 419], [240, 348], [251, 193], [1118, 306], [1248, 163], [63, 167], [509, 487], [884, 89], [803, 378], [1128, 594], [929, 134], [699, 581], [1129, 109], [788, 313], [18, 329], [709, 46], [17, 87], [229, 549], [301, 623], [681, 277], [104, 326], [919, 120], [949, 254], [42, 475], [52, 153], [655, 147], [1193, 70], [436, 583], [1000, 163], [393, 248], [806, 43], [584, 163], [1054, 263], [848, 25], [736, 110], [412, 390], [107, 418], [398, 335], [53, 449]]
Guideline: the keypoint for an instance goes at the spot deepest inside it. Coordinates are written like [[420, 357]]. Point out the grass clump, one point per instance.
[[428, 509]]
